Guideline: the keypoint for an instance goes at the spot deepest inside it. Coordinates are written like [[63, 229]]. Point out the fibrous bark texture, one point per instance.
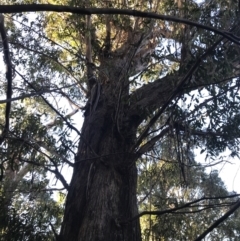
[[102, 193]]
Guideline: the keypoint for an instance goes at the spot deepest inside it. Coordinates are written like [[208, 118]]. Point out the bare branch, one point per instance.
[[189, 204], [40, 92]]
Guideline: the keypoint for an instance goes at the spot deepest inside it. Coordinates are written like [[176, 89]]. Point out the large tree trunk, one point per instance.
[[102, 194]]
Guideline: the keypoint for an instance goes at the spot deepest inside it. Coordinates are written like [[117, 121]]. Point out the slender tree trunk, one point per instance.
[[102, 192]]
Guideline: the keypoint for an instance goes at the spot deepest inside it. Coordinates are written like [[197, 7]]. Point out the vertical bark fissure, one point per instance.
[[103, 188]]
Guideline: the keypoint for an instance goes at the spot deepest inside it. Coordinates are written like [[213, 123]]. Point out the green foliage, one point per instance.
[[30, 217], [160, 189], [49, 56]]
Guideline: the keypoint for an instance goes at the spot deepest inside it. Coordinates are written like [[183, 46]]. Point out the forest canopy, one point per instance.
[[120, 95]]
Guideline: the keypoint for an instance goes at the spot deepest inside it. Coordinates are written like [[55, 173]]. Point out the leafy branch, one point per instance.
[[135, 13], [219, 221]]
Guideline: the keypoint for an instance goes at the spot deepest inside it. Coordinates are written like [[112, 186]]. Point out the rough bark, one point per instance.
[[102, 192]]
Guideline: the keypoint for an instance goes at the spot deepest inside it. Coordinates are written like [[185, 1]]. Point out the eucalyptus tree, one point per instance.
[[161, 188], [141, 72]]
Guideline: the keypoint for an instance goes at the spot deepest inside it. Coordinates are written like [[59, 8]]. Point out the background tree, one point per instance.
[[160, 188], [149, 83]]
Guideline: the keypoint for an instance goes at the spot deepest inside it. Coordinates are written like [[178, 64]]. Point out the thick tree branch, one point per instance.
[[151, 96], [149, 145], [89, 63], [172, 93], [135, 13], [8, 63], [12, 180], [162, 91]]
